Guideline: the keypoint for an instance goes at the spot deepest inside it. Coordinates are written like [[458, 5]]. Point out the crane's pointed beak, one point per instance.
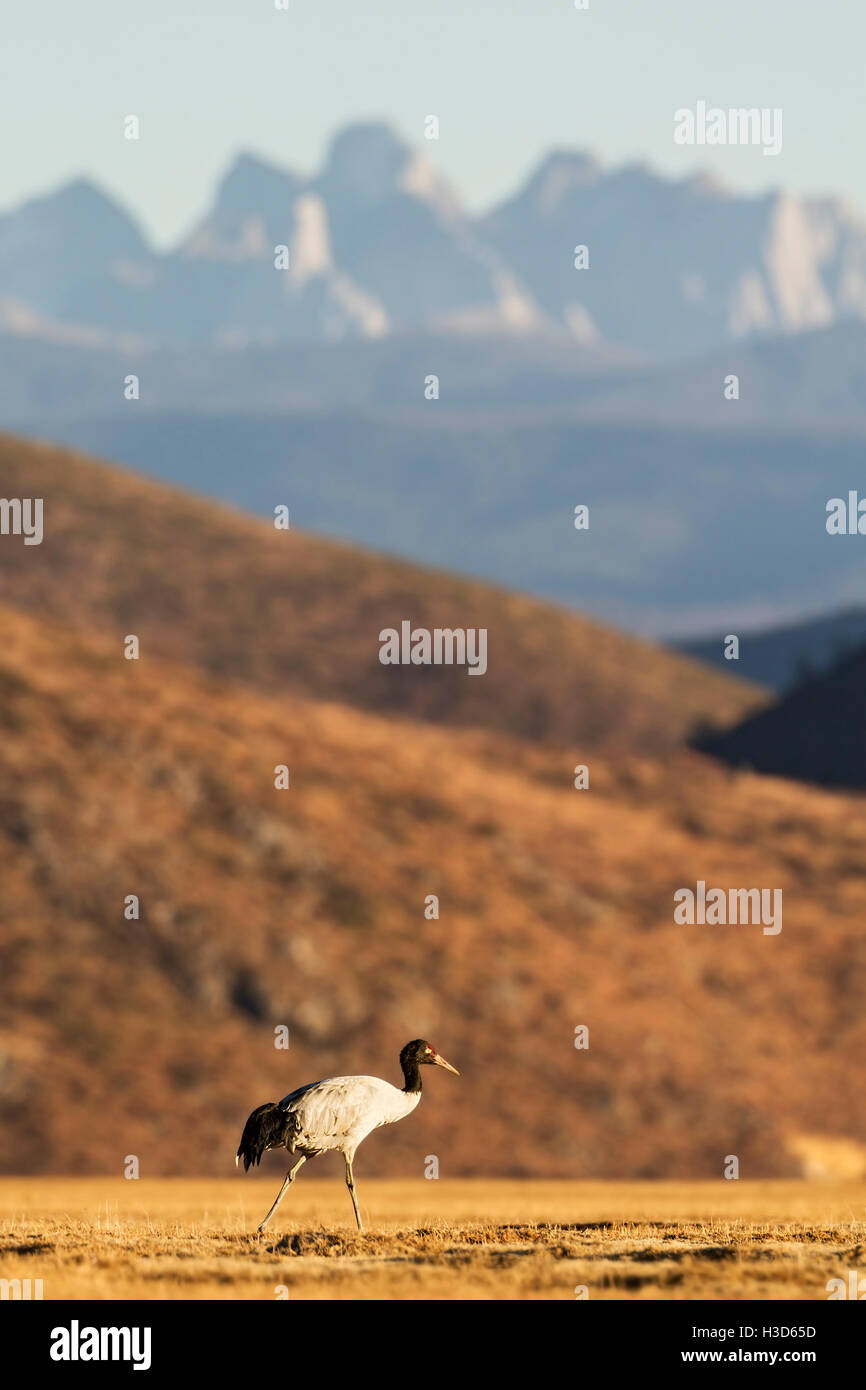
[[440, 1062]]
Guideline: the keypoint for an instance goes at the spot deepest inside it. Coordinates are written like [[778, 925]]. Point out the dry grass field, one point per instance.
[[472, 1239]]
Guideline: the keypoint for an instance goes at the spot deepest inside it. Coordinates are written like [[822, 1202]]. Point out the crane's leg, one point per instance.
[[289, 1179], [350, 1183]]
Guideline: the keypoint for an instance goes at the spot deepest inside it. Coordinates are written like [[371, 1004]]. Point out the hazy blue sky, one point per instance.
[[508, 79]]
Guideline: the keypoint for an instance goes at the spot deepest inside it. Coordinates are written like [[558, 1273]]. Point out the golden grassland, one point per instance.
[[106, 1238]]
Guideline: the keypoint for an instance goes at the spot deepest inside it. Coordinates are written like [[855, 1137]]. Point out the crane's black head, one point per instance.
[[418, 1054]]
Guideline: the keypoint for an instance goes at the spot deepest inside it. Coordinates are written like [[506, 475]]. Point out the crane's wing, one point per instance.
[[341, 1106]]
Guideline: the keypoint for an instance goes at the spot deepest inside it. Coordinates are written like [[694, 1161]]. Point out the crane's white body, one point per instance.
[[340, 1111]]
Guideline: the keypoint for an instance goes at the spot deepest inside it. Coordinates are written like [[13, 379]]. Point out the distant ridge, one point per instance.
[[787, 654]]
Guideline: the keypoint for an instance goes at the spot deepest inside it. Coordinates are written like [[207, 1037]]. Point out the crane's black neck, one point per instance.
[[412, 1076]]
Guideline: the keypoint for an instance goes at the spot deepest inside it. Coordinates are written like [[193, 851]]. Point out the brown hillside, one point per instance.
[[305, 908], [288, 612]]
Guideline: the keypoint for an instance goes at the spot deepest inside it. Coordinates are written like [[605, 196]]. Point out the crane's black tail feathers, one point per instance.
[[267, 1128]]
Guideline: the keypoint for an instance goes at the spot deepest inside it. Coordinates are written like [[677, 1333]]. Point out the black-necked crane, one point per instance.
[[335, 1114]]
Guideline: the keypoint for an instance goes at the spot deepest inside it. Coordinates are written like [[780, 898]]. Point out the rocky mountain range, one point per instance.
[[378, 245]]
